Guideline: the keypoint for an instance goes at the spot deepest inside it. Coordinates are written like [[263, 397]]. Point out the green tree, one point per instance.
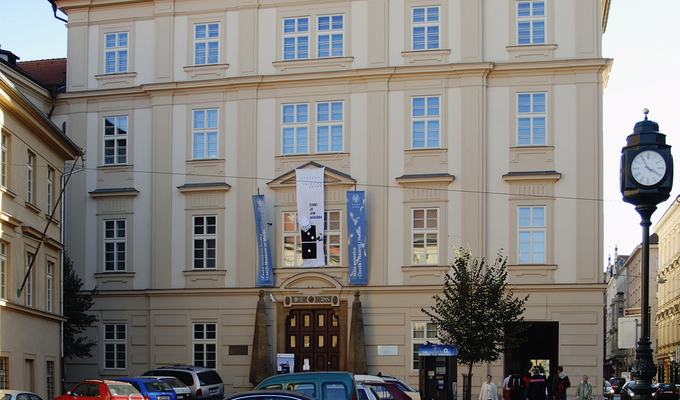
[[477, 312], [76, 304]]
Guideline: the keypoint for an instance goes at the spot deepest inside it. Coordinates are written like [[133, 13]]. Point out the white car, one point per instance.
[[366, 392], [6, 394]]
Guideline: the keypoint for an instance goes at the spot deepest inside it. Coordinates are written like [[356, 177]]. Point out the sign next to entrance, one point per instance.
[[438, 350]]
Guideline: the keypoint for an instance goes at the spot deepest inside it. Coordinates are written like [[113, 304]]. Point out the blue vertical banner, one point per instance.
[[265, 276], [356, 228]]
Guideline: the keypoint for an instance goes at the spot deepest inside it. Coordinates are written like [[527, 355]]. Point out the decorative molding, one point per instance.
[[313, 65], [440, 56]]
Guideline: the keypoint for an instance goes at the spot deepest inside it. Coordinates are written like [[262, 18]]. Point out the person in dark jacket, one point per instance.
[[560, 384], [517, 386], [537, 386]]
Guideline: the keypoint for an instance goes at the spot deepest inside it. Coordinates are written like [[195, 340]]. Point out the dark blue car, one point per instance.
[[152, 388]]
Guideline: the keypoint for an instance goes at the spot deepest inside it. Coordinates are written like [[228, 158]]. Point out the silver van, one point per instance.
[[204, 383]]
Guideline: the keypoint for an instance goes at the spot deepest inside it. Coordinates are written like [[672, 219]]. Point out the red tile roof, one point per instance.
[[47, 72]]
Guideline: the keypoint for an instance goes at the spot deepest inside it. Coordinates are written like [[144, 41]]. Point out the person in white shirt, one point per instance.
[[489, 390]]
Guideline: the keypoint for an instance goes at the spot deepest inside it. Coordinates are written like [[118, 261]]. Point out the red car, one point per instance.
[[385, 389], [93, 389]]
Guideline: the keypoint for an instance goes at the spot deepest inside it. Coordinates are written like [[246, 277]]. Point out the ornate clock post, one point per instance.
[[646, 180]]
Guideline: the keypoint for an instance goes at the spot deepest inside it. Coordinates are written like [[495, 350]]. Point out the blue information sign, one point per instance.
[[438, 350]]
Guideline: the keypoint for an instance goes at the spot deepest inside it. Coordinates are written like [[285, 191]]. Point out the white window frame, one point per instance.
[[330, 36], [531, 19], [30, 178], [4, 160], [3, 270], [50, 190], [210, 41], [532, 119], [531, 226], [292, 243], [422, 332], [296, 32], [428, 27], [297, 126], [334, 246], [205, 344], [115, 245], [330, 126], [205, 133], [115, 345], [115, 141], [29, 279], [420, 228], [49, 289], [204, 232], [425, 122], [332, 238], [116, 52]]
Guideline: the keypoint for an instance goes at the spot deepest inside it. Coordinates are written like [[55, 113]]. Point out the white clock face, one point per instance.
[[648, 168]]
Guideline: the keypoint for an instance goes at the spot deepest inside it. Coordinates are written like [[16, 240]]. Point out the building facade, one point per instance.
[[465, 124], [615, 304], [33, 153], [668, 281]]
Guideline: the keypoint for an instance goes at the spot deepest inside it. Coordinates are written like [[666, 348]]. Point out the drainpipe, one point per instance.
[[54, 9]]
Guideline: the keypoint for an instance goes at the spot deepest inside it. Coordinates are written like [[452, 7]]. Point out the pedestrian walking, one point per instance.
[[584, 391], [506, 388], [537, 386], [489, 390], [517, 386], [560, 384]]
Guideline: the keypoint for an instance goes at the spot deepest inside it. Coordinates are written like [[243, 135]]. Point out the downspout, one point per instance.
[[54, 9]]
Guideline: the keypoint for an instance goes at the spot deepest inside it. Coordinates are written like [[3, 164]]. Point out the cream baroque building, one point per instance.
[[467, 123]]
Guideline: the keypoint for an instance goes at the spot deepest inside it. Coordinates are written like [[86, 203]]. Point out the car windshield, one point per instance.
[[5, 396], [209, 378], [664, 386], [159, 386], [173, 382], [119, 389]]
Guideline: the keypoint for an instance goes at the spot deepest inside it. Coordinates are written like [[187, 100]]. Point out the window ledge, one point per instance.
[[440, 56], [208, 71], [531, 273], [114, 276], [313, 65], [125, 79], [32, 207], [532, 52], [7, 191]]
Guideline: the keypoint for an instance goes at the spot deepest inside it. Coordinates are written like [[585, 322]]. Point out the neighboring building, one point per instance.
[[465, 123], [668, 280], [33, 152], [616, 278]]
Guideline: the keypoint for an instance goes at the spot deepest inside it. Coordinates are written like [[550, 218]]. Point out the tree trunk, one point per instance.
[[467, 386]]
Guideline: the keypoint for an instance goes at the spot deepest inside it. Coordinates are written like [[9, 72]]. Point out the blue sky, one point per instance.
[[643, 38]]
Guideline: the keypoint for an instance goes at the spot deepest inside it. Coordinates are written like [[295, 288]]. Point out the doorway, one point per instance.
[[313, 337], [541, 348]]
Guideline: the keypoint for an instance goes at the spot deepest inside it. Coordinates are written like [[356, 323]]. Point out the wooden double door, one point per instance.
[[313, 336]]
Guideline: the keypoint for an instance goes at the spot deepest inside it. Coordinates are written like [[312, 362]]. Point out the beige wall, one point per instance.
[[478, 176]]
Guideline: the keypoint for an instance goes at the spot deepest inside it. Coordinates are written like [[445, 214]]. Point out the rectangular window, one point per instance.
[[49, 379], [205, 240], [116, 53], [423, 332], [115, 245], [115, 343], [4, 372], [205, 134], [425, 22], [330, 36], [531, 117], [426, 121], [30, 178], [205, 345], [49, 290], [3, 270], [50, 190], [329, 127], [425, 234], [292, 247], [530, 22], [4, 160], [29, 279], [295, 128], [531, 235], [115, 140], [206, 44], [296, 38]]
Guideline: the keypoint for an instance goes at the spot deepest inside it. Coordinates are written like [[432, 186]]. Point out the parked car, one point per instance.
[[320, 385], [103, 390], [666, 391], [387, 390], [6, 394], [182, 391], [405, 387], [366, 392], [617, 384], [627, 392], [607, 390], [269, 395], [152, 388], [204, 383]]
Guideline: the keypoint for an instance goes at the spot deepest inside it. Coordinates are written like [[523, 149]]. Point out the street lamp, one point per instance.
[[646, 180]]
